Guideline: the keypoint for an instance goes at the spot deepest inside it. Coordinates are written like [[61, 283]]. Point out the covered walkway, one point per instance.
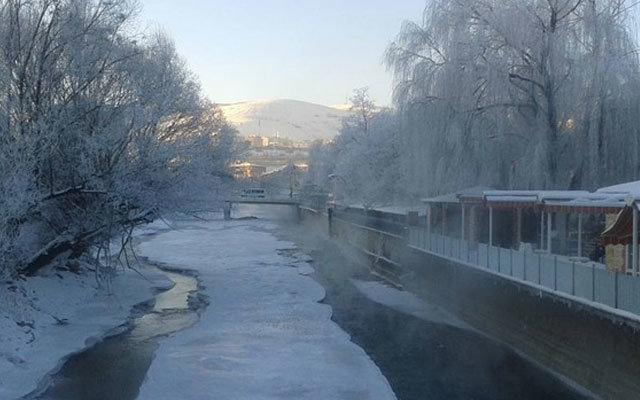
[[577, 243]]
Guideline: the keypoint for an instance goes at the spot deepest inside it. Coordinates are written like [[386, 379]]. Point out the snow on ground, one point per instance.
[[407, 303], [264, 335], [46, 318]]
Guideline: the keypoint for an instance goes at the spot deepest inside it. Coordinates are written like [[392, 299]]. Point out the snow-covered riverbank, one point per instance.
[[46, 318], [264, 335]]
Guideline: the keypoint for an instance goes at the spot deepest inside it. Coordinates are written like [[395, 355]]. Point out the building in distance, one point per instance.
[[257, 142], [247, 170]]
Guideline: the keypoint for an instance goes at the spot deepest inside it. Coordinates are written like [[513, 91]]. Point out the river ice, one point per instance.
[[264, 335], [407, 303]]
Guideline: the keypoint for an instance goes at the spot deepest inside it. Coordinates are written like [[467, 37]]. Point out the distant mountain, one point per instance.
[[293, 119]]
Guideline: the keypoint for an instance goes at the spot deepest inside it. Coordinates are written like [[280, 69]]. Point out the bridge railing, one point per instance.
[[588, 281]]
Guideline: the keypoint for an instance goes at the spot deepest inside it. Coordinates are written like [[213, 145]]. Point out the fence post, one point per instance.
[[511, 262], [499, 259], [539, 268], [593, 282], [488, 253], [615, 301], [453, 248], [425, 239], [555, 273], [468, 251], [573, 278], [524, 264]]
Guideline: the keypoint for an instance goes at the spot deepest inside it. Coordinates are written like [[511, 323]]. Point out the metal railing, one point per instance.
[[589, 281]]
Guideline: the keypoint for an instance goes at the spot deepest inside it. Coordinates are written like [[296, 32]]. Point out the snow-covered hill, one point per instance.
[[293, 119]]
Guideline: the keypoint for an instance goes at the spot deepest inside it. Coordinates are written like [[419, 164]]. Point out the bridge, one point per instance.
[[278, 201]]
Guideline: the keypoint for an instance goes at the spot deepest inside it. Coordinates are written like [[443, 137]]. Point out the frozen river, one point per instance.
[[289, 319]]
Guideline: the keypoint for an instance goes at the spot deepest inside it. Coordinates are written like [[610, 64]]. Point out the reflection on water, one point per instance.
[[170, 313], [115, 368]]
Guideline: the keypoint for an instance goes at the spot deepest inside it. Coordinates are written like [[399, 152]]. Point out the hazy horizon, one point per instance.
[[285, 49]]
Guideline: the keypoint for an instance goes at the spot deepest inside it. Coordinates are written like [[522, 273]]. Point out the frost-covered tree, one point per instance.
[[363, 110], [362, 164], [101, 129], [513, 94]]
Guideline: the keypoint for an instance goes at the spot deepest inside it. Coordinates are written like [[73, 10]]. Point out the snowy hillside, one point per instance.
[[296, 120]]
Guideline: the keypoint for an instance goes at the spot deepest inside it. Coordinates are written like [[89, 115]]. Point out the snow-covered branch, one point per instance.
[[97, 124]]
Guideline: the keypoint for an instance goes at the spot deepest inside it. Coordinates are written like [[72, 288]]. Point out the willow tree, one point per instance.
[[518, 93]]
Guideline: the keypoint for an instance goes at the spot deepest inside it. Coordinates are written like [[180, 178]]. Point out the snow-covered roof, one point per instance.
[[630, 189], [595, 200], [476, 192], [533, 196], [617, 196], [450, 198], [454, 198]]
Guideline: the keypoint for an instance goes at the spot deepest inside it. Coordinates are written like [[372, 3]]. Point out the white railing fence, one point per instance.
[[586, 280]]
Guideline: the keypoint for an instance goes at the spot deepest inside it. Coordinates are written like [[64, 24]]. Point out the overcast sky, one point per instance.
[[311, 50]]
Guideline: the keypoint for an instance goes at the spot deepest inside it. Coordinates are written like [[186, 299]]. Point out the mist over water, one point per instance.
[[420, 357]]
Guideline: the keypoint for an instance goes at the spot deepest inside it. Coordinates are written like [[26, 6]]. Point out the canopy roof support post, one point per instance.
[[549, 216], [580, 235], [490, 226], [634, 250]]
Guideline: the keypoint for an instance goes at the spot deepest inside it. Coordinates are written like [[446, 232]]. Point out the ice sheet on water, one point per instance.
[[407, 303], [264, 335]]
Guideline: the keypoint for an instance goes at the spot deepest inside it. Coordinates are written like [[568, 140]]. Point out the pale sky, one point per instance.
[[311, 50]]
